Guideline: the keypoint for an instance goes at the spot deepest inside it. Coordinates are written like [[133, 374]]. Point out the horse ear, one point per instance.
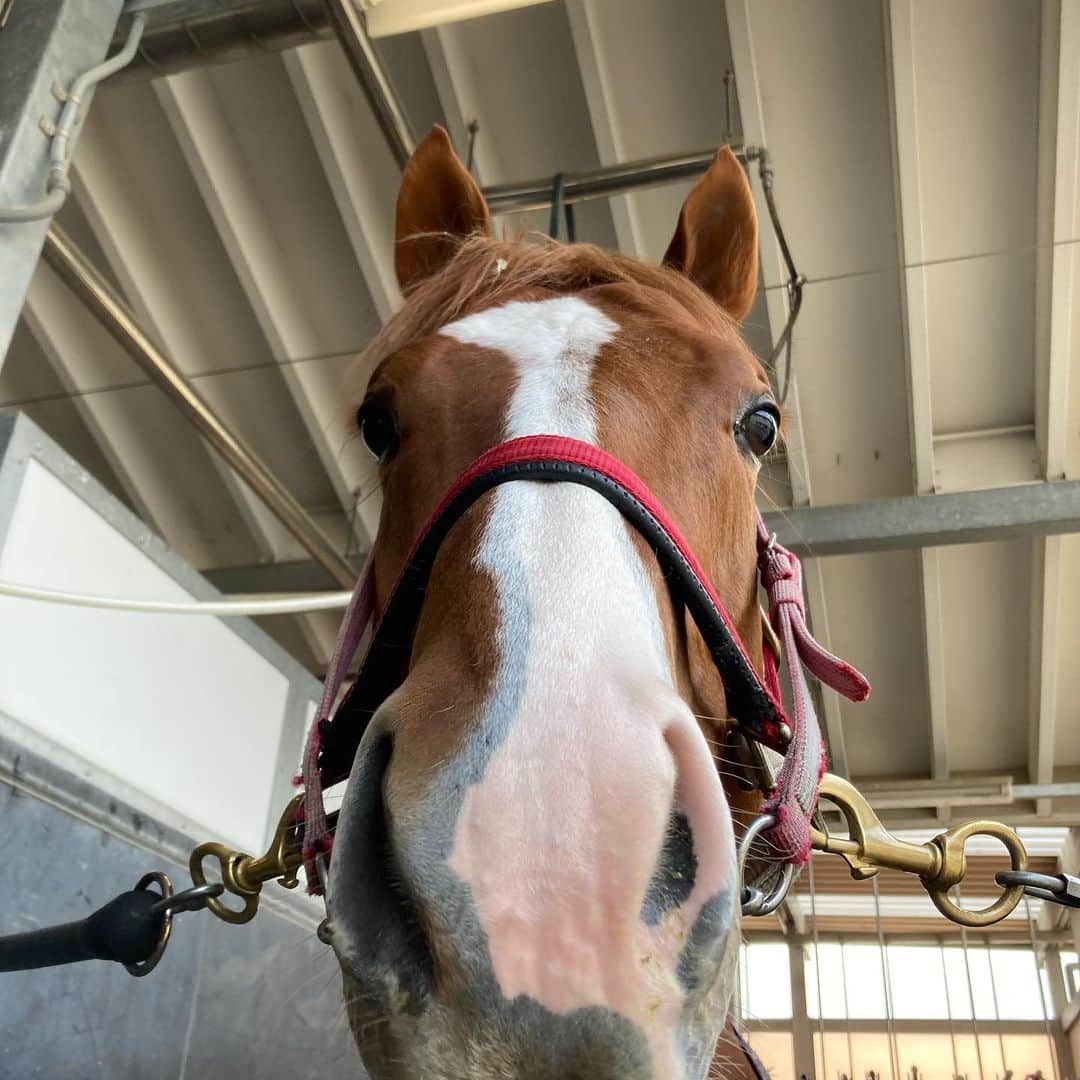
[[716, 240], [439, 204]]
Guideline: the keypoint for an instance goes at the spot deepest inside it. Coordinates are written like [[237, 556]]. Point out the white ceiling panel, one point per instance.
[[145, 212], [977, 84], [981, 322], [875, 622], [257, 103], [985, 610], [986, 461], [822, 72], [517, 74], [848, 355], [679, 51]]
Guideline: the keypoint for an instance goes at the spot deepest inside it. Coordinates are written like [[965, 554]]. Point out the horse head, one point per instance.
[[534, 868]]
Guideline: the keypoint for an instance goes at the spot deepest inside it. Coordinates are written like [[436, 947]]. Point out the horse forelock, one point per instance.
[[485, 272]]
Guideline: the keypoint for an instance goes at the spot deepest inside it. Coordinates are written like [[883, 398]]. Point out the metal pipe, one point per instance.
[[599, 183], [352, 33], [107, 306], [184, 34]]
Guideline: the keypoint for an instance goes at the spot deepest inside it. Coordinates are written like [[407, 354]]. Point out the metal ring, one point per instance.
[[753, 900], [198, 875], [192, 899], [144, 967], [1011, 894]]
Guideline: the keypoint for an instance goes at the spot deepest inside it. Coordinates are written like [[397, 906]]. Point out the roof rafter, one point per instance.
[[600, 97], [772, 273], [1058, 152], [127, 240], [902, 92], [217, 161]]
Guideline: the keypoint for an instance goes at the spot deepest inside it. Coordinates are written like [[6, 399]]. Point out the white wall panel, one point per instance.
[[199, 714]]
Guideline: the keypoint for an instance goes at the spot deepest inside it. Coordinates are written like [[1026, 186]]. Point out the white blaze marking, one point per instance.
[[559, 848]]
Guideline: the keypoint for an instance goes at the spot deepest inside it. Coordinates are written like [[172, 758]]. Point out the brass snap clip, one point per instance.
[[940, 864], [244, 875]]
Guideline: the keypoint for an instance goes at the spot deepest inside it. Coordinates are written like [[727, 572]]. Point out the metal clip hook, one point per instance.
[[940, 864], [244, 875]]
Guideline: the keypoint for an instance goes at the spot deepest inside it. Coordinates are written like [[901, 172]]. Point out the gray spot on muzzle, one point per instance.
[[702, 955], [675, 873]]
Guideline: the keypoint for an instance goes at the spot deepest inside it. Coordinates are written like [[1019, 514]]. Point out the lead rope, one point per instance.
[[794, 797], [317, 836]]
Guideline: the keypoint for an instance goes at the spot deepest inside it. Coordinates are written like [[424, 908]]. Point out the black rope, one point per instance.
[[794, 283], [558, 189], [474, 130]]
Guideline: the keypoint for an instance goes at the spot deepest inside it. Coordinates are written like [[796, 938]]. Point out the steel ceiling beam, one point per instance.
[[182, 34], [903, 74], [601, 183], [916, 521], [44, 44], [1058, 149]]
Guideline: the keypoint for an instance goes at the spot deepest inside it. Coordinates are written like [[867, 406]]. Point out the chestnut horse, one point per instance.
[[534, 870]]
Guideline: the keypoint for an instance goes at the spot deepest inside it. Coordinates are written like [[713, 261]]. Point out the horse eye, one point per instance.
[[760, 428], [378, 429]]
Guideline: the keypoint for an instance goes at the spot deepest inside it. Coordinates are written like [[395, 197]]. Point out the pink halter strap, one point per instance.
[[755, 703]]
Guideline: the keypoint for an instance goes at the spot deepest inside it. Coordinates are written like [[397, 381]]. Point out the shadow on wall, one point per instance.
[[262, 1000]]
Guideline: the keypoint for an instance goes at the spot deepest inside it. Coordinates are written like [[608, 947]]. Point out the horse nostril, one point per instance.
[[325, 932], [373, 921]]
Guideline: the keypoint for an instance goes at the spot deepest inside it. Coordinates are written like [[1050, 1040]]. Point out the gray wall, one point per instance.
[[261, 1001]]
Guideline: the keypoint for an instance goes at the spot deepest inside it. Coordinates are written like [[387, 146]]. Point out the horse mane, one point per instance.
[[485, 272]]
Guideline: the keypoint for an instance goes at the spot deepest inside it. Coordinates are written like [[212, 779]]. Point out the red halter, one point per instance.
[[752, 700]]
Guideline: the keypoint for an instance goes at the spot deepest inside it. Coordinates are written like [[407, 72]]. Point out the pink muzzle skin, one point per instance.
[[755, 702]]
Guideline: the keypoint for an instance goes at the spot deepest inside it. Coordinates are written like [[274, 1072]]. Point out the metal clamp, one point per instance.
[[1061, 889], [940, 864], [244, 875]]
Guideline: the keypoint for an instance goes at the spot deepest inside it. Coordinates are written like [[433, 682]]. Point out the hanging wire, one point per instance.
[[794, 283], [894, 1057], [847, 1011], [1042, 991], [949, 1012], [971, 992], [997, 1012], [817, 970]]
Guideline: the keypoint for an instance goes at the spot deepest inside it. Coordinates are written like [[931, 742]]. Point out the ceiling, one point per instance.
[[926, 162]]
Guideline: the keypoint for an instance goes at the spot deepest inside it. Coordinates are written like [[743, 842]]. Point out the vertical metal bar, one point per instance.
[[971, 995], [1042, 993], [948, 1011], [817, 971], [803, 1039], [352, 33], [997, 1010], [45, 43], [847, 1010], [894, 1062], [111, 311]]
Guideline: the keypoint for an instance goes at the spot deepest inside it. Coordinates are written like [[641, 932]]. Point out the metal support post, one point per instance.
[[44, 46], [802, 1037]]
